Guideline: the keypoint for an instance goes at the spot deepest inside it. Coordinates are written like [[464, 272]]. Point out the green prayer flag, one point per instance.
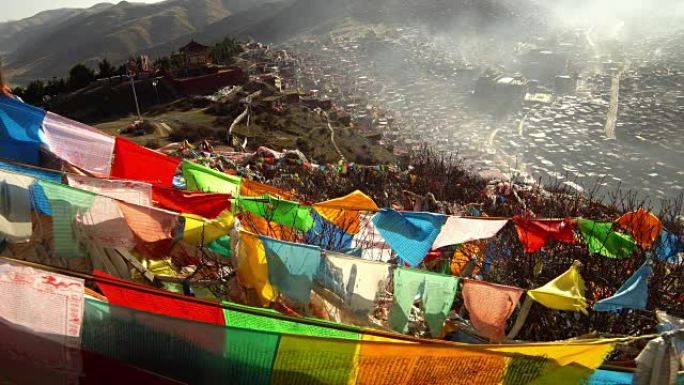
[[205, 179], [244, 320], [602, 240], [65, 203], [436, 291], [280, 211], [221, 246]]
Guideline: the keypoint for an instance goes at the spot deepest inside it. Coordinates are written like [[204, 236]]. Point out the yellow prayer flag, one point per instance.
[[252, 270], [344, 212], [199, 230], [565, 292]]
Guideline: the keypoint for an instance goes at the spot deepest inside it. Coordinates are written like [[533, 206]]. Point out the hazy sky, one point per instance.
[[19, 9]]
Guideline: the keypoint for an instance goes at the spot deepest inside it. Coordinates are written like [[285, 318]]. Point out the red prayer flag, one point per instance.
[[135, 162], [535, 233], [207, 205], [158, 303]]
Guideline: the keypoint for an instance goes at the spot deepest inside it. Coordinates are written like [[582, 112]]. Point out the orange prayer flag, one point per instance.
[[345, 212], [643, 226], [250, 188]]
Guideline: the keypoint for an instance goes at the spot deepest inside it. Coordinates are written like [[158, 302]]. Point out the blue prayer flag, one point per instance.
[[633, 294], [21, 132], [668, 246], [291, 267], [327, 235], [409, 234]]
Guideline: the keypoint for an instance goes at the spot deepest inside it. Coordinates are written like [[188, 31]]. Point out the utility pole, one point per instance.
[[132, 67]]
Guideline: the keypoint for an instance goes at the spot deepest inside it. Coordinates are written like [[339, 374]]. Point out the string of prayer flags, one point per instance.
[[642, 225], [602, 240], [436, 291], [79, 144], [459, 230], [157, 303], [15, 207], [489, 306], [65, 203], [344, 212], [668, 247], [135, 162], [280, 211], [202, 231], [565, 292], [21, 133], [137, 193], [207, 205], [205, 179], [354, 280], [633, 294], [252, 267], [534, 233], [291, 267], [250, 188], [409, 234]]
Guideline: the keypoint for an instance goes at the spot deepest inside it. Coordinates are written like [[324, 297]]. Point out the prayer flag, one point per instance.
[[149, 224], [409, 234], [372, 245], [41, 301], [65, 203], [489, 306], [202, 231], [668, 247], [436, 291], [326, 235], [21, 133], [459, 230], [137, 193], [39, 200], [15, 207], [205, 179], [207, 205], [602, 240], [157, 303], [104, 224], [291, 267], [252, 267], [344, 212], [534, 234], [135, 162], [565, 292], [642, 225], [250, 188], [81, 145], [354, 280], [280, 211], [633, 294]]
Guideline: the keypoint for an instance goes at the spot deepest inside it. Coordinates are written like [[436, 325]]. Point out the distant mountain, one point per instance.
[[49, 43]]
